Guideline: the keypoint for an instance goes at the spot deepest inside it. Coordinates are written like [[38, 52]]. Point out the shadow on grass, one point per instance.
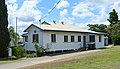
[[107, 47]]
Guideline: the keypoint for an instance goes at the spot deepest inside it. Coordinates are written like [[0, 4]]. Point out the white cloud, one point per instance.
[[12, 9], [116, 6], [63, 4], [63, 13], [102, 3], [29, 12], [82, 10], [84, 25], [67, 20], [97, 12], [11, 1], [101, 17], [26, 14], [100, 8]]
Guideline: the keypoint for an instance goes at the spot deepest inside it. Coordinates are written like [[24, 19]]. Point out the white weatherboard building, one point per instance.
[[59, 36]]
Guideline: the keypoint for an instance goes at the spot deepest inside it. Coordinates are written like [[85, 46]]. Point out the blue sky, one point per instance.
[[75, 12]]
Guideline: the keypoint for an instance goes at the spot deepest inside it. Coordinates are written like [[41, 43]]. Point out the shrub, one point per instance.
[[39, 50], [31, 55], [116, 39], [18, 51], [12, 57]]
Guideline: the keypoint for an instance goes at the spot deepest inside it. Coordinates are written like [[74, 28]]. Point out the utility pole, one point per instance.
[[16, 33]]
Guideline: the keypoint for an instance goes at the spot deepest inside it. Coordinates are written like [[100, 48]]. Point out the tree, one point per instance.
[[113, 18], [114, 29], [97, 27], [116, 39], [13, 35], [4, 34], [114, 32]]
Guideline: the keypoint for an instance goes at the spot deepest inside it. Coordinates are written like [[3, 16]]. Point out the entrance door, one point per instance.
[[84, 42]]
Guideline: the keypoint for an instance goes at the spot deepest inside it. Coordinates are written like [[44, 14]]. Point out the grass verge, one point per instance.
[[107, 59], [6, 60]]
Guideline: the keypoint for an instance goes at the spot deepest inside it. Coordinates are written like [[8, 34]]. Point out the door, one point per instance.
[[84, 42]]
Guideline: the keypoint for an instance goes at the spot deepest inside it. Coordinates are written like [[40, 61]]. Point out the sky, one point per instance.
[[75, 12]]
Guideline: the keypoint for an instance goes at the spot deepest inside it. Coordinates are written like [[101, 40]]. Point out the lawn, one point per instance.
[[106, 59], [6, 60]]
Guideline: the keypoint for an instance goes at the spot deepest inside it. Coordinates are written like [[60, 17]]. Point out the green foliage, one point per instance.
[[113, 18], [13, 35], [114, 29], [4, 34], [106, 59], [97, 27], [12, 57], [39, 50], [18, 51], [116, 39], [32, 55]]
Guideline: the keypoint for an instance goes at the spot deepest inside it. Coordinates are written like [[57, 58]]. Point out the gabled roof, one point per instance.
[[61, 27]]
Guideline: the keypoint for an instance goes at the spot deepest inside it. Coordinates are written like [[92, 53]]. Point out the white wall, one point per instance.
[[60, 44], [45, 40], [30, 45], [99, 44]]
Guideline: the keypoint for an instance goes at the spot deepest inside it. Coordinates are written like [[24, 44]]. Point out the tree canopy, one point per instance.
[[97, 27], [114, 29], [113, 17], [4, 34], [13, 35]]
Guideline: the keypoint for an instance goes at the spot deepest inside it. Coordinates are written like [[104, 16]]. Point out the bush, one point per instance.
[[18, 51], [39, 50], [31, 55], [12, 57], [116, 39]]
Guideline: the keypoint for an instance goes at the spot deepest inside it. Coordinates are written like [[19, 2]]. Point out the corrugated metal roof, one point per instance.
[[64, 27], [61, 27]]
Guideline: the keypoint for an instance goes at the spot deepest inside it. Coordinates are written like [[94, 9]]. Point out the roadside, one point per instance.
[[39, 60], [108, 58]]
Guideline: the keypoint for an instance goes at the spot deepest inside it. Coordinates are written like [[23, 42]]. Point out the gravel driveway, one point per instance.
[[38, 60]]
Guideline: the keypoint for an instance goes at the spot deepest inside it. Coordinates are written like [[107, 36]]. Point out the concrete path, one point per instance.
[[38, 60]]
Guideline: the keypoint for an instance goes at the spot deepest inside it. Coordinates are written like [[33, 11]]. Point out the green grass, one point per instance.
[[6, 60], [106, 59]]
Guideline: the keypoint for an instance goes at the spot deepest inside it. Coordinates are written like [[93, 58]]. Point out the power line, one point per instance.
[[50, 10]]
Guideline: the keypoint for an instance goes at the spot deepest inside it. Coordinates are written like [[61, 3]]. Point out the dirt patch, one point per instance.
[[50, 64]]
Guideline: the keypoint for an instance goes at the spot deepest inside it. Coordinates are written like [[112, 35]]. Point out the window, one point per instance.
[[53, 37], [72, 38], [91, 38], [65, 38], [99, 38], [34, 31], [35, 38], [26, 38], [79, 38]]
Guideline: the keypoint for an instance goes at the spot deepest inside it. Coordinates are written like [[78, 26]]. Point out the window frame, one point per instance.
[[72, 38], [65, 38], [26, 38], [35, 38], [79, 38], [91, 38], [100, 38], [53, 38]]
